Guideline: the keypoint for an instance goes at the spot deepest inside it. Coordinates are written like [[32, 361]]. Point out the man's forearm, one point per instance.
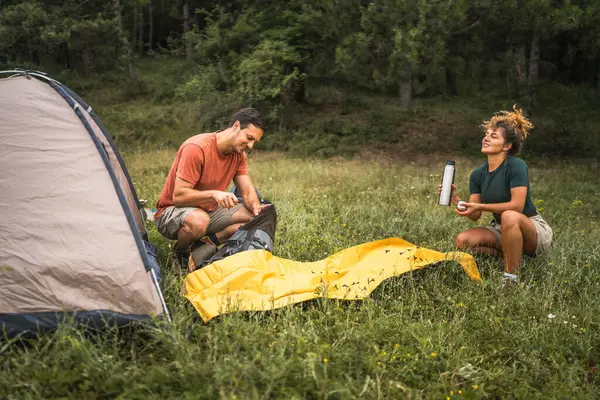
[[251, 200], [193, 198]]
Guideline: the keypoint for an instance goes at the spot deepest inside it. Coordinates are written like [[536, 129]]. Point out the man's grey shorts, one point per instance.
[[171, 219], [544, 233]]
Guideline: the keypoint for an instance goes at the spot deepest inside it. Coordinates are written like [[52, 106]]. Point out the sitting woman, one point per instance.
[[501, 186]]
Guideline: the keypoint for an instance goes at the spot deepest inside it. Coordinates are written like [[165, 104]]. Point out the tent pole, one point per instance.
[[162, 299]]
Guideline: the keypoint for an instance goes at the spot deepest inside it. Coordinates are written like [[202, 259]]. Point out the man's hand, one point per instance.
[[259, 208], [225, 199], [454, 199]]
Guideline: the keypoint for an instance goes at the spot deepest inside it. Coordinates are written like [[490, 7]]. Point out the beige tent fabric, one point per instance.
[[65, 243], [120, 174]]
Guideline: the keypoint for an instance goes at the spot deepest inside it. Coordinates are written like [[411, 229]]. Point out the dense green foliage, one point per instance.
[[314, 67], [275, 55]]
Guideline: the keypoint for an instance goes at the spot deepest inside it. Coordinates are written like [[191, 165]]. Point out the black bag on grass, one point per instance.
[[256, 234]]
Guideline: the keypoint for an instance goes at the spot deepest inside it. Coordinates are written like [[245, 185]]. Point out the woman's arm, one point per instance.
[[475, 198], [454, 199], [516, 203]]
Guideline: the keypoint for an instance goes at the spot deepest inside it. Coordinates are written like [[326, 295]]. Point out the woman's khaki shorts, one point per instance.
[[544, 233], [171, 219]]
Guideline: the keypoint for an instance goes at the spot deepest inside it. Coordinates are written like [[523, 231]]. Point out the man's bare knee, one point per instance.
[[196, 223]]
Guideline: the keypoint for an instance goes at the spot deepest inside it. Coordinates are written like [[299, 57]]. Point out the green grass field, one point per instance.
[[429, 334]]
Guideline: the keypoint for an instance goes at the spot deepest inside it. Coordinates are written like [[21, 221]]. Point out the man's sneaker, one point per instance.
[[202, 250], [180, 258]]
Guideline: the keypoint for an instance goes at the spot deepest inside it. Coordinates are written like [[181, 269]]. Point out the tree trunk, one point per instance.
[[186, 29], [598, 75], [134, 31], [133, 75], [161, 23], [405, 91], [30, 49], [150, 26], [534, 63], [300, 93], [511, 71], [118, 16], [125, 43], [473, 70], [451, 81], [87, 62], [521, 66], [67, 62], [141, 32]]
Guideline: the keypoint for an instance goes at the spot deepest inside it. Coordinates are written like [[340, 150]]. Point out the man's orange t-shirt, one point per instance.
[[200, 162]]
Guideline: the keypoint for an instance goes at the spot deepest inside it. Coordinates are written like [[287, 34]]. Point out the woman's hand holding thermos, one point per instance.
[[454, 199], [447, 189]]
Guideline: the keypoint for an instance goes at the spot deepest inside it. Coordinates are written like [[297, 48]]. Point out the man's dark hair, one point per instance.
[[248, 116]]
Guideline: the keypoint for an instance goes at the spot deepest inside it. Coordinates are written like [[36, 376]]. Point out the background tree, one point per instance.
[[399, 40], [21, 27], [269, 52]]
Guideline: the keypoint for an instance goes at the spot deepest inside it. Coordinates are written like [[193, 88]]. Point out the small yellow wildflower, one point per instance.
[[460, 392], [325, 360], [475, 387], [452, 393], [433, 354], [396, 345]]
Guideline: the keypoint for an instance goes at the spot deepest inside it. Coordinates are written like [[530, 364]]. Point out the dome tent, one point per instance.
[[72, 238]]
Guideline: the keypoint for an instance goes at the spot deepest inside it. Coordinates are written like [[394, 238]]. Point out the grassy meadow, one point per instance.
[[430, 334]]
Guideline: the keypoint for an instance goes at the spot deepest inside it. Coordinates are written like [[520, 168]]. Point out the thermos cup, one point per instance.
[[447, 181]]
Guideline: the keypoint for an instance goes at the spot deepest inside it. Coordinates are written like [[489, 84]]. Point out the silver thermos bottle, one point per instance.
[[447, 181]]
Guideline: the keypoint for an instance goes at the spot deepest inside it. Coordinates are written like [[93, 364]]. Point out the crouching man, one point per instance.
[[194, 207]]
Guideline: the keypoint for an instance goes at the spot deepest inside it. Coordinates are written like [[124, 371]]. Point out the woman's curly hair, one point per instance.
[[515, 128]]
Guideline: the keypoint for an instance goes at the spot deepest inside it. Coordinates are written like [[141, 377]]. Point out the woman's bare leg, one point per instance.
[[518, 236], [479, 241]]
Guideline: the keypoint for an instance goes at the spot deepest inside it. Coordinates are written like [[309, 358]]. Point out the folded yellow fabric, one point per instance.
[[257, 280]]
